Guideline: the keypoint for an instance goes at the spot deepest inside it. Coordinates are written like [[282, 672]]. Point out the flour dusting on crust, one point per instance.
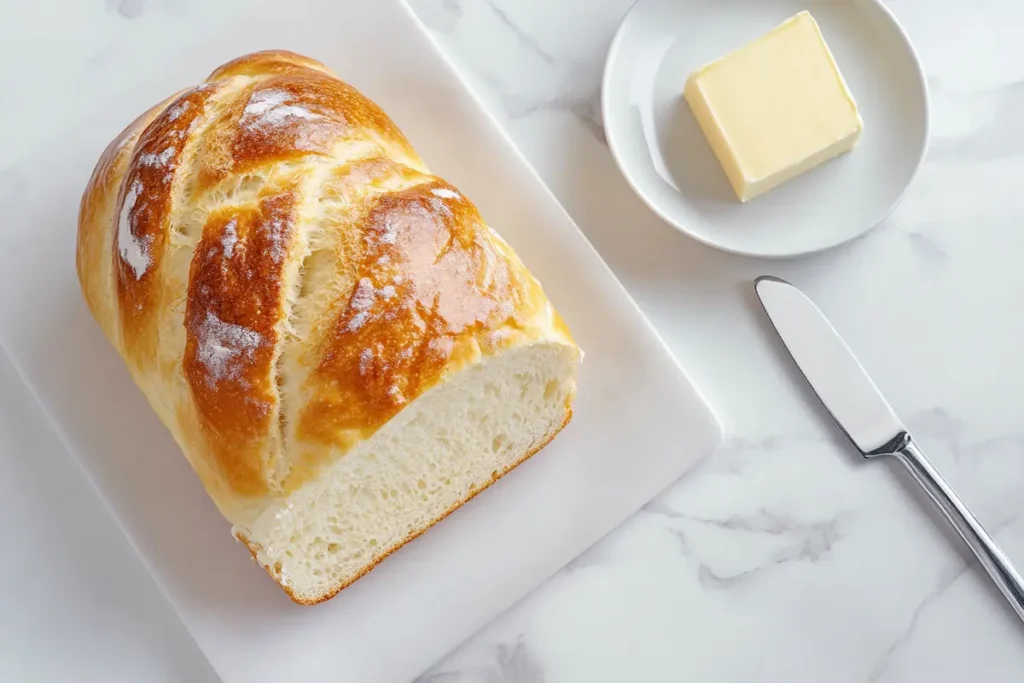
[[133, 251], [225, 348], [272, 109], [177, 110], [158, 160], [230, 238], [364, 300], [445, 193]]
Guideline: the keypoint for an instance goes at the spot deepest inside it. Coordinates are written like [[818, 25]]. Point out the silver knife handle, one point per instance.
[[992, 558]]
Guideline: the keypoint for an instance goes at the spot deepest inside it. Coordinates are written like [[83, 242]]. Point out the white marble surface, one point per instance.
[[781, 557]]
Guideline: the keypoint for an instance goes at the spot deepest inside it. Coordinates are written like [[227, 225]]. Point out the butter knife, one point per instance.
[[855, 403]]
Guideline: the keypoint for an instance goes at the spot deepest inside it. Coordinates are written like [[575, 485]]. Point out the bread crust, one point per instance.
[[283, 275]]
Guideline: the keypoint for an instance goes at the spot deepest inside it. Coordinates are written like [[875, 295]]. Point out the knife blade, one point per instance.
[[860, 410], [831, 369]]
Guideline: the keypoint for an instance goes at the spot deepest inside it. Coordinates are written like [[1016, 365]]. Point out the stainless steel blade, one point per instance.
[[856, 404], [831, 369]]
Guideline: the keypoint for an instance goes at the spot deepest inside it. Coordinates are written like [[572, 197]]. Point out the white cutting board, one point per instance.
[[63, 562], [639, 424]]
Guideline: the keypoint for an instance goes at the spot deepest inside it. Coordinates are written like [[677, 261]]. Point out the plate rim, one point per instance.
[[614, 145]]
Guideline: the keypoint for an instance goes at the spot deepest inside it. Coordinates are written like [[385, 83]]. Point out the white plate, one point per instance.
[[639, 423], [664, 156]]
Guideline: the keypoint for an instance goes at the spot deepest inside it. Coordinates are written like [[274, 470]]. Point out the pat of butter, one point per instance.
[[774, 108]]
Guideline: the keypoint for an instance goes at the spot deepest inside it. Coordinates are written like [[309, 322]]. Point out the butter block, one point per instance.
[[774, 108]]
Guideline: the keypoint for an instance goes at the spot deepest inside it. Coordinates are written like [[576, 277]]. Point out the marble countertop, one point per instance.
[[781, 557]]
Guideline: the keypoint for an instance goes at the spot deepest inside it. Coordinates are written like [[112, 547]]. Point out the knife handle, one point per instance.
[[991, 556]]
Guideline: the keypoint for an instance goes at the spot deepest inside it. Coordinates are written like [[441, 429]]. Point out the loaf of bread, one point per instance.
[[342, 348]]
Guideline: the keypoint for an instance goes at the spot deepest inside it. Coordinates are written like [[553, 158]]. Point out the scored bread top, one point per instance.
[[282, 274]]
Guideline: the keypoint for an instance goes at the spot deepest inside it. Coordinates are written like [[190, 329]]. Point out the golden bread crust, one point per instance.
[[233, 313], [282, 274], [266, 62], [143, 214]]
